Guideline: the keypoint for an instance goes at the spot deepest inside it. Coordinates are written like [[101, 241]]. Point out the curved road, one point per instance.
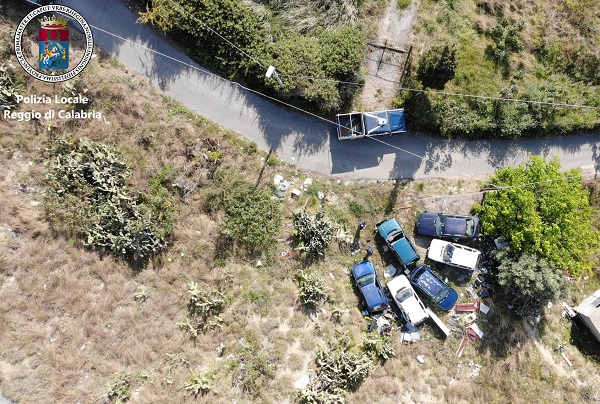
[[307, 141]]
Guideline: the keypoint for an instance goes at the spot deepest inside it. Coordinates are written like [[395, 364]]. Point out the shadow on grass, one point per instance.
[[584, 340]]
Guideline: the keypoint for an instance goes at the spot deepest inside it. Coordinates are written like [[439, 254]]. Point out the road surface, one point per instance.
[[308, 141]]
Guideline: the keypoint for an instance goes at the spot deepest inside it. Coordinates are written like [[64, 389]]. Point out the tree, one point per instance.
[[532, 280], [437, 67], [541, 210]]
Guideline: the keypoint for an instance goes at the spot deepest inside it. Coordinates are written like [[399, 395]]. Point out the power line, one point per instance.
[[423, 158]]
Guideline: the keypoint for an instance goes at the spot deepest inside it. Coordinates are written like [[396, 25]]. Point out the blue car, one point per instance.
[[398, 242], [368, 282], [432, 286], [447, 226]]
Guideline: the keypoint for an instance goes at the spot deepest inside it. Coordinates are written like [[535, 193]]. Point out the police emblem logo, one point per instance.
[[54, 62], [54, 43]]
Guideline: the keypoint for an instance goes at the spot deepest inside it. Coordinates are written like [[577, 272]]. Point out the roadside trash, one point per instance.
[[307, 182], [321, 195], [420, 359], [286, 254], [296, 193], [561, 348], [472, 292], [277, 179], [259, 263], [438, 322], [282, 190], [482, 308], [465, 307], [461, 347], [500, 243], [383, 324], [385, 248], [471, 317], [476, 329], [568, 310], [362, 225], [331, 276], [389, 271], [370, 250]]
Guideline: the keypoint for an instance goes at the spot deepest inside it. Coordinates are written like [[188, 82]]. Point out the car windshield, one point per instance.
[[447, 255], [403, 294], [366, 280], [442, 294], [470, 227], [439, 224]]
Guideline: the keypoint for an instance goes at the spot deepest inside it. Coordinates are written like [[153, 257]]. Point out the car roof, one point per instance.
[[412, 307], [462, 255], [405, 251], [455, 225], [387, 226], [362, 268]]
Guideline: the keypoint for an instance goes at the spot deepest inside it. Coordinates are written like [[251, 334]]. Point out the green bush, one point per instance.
[[8, 89], [252, 219], [531, 281], [437, 67], [315, 232], [311, 288], [89, 196]]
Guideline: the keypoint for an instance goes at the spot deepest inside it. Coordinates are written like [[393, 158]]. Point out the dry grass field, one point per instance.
[[78, 326]]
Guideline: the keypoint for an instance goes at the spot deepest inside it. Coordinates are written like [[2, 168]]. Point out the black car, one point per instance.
[[447, 226]]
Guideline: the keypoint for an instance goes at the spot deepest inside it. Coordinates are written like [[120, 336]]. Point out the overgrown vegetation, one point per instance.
[[252, 220], [517, 51], [204, 307], [315, 231], [88, 197], [339, 370], [540, 210], [310, 43], [532, 282], [311, 288], [8, 89]]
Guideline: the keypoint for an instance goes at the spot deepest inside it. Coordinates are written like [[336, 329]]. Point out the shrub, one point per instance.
[[311, 288], [437, 67], [338, 370], [532, 281], [252, 367], [119, 388], [204, 307], [198, 383], [252, 219], [88, 195], [315, 232], [8, 89], [378, 346]]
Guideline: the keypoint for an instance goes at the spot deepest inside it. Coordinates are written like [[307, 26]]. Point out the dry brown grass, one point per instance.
[[69, 316]]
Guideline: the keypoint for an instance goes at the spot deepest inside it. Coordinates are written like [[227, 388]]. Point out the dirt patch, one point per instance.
[[385, 66]]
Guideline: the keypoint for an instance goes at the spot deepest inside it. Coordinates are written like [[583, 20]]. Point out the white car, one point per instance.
[[454, 254], [407, 300]]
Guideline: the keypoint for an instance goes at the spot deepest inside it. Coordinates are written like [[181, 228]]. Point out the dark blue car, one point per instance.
[[432, 286], [447, 226], [368, 282]]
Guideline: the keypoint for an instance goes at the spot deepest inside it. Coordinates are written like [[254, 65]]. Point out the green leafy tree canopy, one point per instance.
[[437, 67], [541, 210], [532, 280]]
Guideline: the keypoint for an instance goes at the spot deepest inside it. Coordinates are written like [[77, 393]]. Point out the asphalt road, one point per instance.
[[307, 141]]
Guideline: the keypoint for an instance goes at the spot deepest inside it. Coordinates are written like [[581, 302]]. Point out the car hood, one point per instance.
[[426, 224], [405, 251], [415, 310], [436, 249], [372, 296], [361, 269], [449, 301], [388, 226], [455, 226]]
